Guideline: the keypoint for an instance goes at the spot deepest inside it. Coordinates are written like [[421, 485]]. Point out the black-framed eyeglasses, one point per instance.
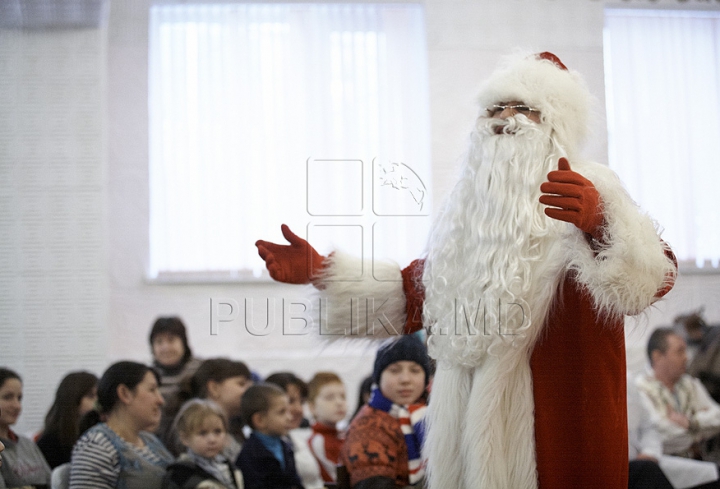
[[525, 110]]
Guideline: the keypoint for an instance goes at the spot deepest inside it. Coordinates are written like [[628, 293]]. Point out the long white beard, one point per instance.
[[493, 265], [490, 246]]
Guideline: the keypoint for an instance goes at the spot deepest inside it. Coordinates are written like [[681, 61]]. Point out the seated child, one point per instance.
[[326, 399], [266, 460], [202, 428], [383, 442]]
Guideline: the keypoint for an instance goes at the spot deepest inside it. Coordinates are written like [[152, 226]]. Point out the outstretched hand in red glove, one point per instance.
[[296, 263], [573, 198]]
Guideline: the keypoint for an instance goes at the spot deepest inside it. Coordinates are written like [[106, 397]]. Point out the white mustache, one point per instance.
[[492, 126]]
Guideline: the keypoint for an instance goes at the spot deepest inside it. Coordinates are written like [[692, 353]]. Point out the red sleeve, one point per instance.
[[415, 295]]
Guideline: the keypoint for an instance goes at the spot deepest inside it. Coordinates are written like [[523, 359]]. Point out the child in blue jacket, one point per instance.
[[266, 460]]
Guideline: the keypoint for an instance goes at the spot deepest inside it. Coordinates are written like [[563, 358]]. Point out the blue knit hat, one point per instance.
[[407, 347]]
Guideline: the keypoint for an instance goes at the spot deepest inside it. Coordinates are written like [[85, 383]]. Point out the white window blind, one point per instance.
[[663, 99], [314, 115]]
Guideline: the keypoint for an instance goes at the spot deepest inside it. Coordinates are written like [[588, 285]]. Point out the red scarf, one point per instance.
[[325, 444]]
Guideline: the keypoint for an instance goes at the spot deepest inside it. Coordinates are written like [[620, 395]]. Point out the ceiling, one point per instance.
[[52, 14]]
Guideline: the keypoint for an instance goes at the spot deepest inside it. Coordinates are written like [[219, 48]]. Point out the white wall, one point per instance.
[[102, 74], [54, 294]]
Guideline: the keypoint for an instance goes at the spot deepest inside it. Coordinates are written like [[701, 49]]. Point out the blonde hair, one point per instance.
[[193, 414], [318, 381]]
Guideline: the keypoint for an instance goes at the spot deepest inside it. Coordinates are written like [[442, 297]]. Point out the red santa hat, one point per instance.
[[543, 82]]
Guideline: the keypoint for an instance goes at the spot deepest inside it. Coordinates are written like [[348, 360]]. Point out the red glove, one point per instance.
[[296, 263], [573, 199]]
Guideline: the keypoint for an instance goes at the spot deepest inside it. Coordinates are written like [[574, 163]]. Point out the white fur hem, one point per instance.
[[361, 303], [630, 266], [491, 444]]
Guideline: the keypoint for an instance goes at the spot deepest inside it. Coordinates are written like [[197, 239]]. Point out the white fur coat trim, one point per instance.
[[360, 305], [630, 266]]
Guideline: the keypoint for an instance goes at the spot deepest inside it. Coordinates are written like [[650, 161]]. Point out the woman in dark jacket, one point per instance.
[[75, 396]]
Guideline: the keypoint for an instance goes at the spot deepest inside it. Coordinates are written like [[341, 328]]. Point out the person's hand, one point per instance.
[[296, 263], [644, 456], [678, 418], [573, 198]]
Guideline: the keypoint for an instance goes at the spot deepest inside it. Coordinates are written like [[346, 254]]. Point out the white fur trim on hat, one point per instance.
[[561, 95]]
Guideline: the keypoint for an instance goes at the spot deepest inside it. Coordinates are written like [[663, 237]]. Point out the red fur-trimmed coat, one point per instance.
[[579, 389], [578, 361]]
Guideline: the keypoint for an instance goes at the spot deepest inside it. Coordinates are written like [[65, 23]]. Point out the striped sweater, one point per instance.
[[103, 460]]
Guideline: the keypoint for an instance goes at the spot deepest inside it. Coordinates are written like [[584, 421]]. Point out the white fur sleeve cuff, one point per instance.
[[361, 301], [630, 266]]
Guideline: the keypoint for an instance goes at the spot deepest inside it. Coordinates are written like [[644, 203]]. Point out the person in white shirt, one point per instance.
[[645, 446], [680, 408]]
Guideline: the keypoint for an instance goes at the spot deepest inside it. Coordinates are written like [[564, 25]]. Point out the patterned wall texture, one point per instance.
[[53, 245]]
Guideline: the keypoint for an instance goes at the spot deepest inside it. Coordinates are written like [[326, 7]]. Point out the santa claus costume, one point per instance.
[[531, 265]]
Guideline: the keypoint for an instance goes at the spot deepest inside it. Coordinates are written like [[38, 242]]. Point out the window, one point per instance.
[[663, 99], [314, 115]]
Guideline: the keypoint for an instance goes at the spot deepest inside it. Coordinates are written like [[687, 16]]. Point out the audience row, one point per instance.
[[205, 424], [189, 424]]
